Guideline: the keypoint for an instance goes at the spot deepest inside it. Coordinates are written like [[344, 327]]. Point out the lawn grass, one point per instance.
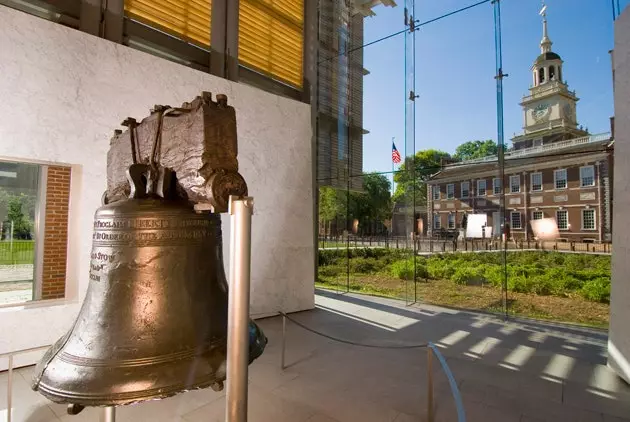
[[20, 252], [485, 298]]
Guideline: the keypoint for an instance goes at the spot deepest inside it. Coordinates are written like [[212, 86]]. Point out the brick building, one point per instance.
[[555, 169]]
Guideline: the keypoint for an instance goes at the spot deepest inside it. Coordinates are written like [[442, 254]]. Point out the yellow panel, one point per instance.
[[271, 38], [186, 19]]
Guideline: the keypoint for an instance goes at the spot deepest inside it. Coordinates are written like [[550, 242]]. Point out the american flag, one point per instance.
[[395, 154]]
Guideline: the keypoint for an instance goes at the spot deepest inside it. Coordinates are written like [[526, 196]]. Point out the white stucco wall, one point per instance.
[[619, 333], [63, 92]]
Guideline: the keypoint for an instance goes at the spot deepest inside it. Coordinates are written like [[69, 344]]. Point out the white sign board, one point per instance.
[[475, 225]]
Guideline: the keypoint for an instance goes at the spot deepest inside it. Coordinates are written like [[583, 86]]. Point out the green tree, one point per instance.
[[426, 163], [476, 149], [332, 205], [374, 203], [21, 224]]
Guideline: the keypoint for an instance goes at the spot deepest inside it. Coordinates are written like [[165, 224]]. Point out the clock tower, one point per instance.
[[549, 111]]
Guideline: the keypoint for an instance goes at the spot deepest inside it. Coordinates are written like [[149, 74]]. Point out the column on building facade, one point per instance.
[[600, 214], [526, 205]]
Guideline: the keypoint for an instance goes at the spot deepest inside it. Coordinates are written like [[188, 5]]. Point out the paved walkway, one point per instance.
[[19, 272], [508, 372]]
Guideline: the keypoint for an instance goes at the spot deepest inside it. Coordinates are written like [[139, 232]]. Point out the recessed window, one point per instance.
[[536, 182], [541, 75], [562, 219], [496, 186], [450, 191], [437, 223], [587, 176], [481, 188], [451, 221], [537, 215], [552, 73], [436, 192], [515, 219], [515, 184], [588, 219], [560, 178], [465, 189], [33, 231]]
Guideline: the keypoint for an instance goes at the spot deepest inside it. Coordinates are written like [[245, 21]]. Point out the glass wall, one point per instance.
[[457, 165]]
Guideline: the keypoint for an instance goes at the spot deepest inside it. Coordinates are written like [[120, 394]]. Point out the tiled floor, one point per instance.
[[522, 372]]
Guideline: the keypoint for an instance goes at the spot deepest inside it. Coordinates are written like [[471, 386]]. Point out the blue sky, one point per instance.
[[455, 68]]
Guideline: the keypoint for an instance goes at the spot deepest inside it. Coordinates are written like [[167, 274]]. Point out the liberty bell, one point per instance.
[[154, 319]]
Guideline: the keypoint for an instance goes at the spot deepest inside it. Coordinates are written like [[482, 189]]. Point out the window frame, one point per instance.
[[435, 189], [592, 169], [555, 179], [520, 220], [451, 219], [531, 180], [542, 215], [461, 193], [512, 177], [594, 218], [437, 221], [558, 220], [494, 186], [485, 187], [449, 195]]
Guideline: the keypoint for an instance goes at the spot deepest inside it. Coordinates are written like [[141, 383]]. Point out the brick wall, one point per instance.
[[56, 233]]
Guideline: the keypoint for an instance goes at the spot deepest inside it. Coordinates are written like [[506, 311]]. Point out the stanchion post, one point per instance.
[[430, 417], [10, 389], [108, 414], [284, 340], [240, 210]]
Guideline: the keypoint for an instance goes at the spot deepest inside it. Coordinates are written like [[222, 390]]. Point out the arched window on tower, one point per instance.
[[541, 75], [560, 73], [552, 73]]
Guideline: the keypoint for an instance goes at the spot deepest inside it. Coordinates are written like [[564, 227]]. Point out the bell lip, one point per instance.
[[123, 399]]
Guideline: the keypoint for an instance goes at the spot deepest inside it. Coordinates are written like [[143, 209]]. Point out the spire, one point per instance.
[[545, 43]]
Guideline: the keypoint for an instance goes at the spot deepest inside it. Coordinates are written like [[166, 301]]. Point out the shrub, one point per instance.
[[366, 265], [403, 269], [597, 290], [331, 270], [438, 269], [494, 275], [467, 275], [421, 270]]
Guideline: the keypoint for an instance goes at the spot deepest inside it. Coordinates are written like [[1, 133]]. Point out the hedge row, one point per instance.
[[541, 273]]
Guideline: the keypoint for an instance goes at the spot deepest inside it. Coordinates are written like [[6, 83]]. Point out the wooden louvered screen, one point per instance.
[[185, 19], [271, 38]]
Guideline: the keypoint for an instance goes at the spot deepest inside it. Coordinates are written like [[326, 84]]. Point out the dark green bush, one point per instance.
[[438, 269], [494, 275], [331, 270], [366, 265], [403, 269], [597, 290], [468, 275]]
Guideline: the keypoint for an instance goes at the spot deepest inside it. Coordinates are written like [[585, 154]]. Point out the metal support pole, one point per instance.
[[108, 414], [284, 341], [10, 389], [430, 416], [241, 210]]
